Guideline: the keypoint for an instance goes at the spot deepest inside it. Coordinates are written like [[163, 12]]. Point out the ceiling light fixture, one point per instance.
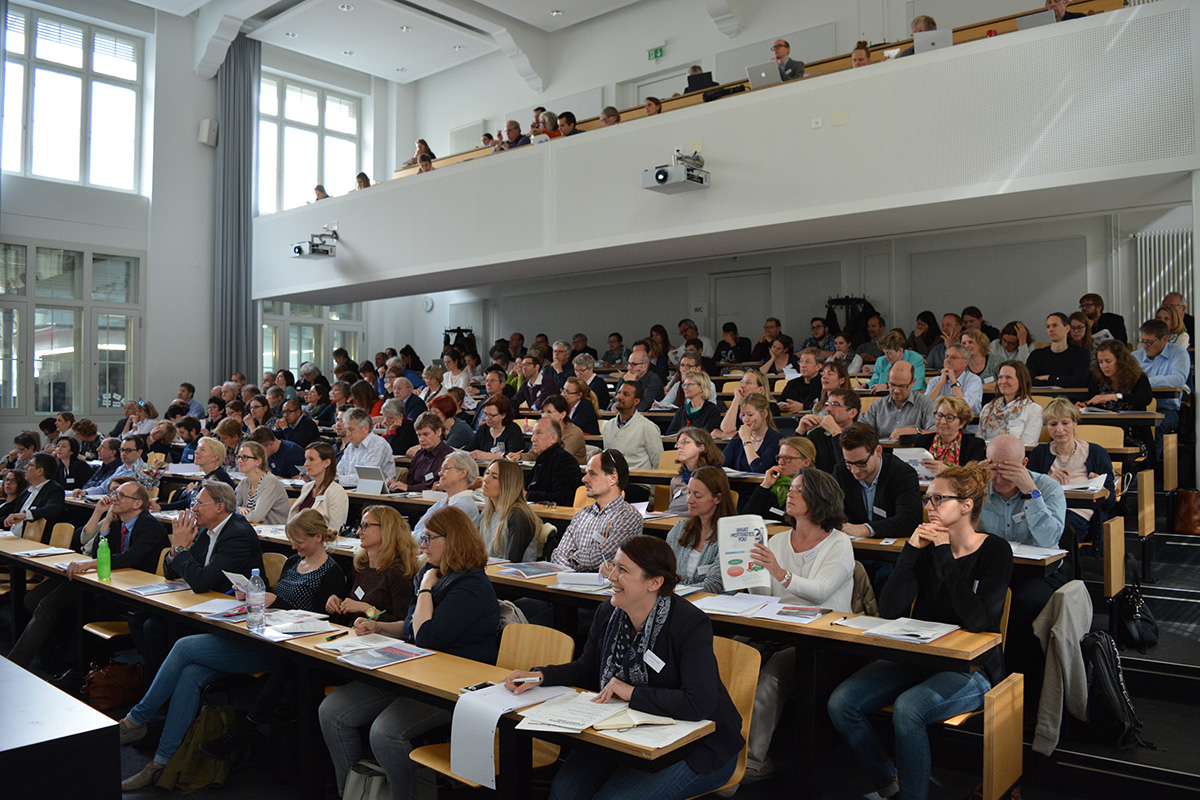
[[401, 69], [347, 52], [290, 35], [458, 48], [405, 29], [345, 7], [557, 12]]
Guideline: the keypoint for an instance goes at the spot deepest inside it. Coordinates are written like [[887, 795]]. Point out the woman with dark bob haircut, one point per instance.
[[654, 650]]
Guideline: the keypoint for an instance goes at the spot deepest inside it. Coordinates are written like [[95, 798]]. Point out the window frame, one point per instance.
[[282, 320], [31, 63], [282, 123]]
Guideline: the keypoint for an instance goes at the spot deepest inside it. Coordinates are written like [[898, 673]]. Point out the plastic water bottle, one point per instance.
[[103, 560], [256, 603]]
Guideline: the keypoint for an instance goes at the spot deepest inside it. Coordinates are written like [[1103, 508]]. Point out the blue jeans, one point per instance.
[[588, 774], [193, 663], [395, 722], [919, 697]]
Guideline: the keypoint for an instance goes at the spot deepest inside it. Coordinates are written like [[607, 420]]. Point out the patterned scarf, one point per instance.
[[997, 415], [625, 649], [946, 453]]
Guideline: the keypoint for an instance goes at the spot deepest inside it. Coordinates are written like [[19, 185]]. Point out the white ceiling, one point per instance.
[[537, 12], [373, 32]]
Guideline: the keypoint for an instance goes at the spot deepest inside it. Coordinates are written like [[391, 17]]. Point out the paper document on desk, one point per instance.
[[1032, 551], [735, 538], [385, 656], [294, 630], [737, 605], [355, 644], [220, 606], [656, 736], [1090, 485], [631, 719], [47, 551], [473, 731], [789, 612], [533, 569], [907, 629], [641, 509], [569, 713], [160, 588], [861, 622], [913, 456]]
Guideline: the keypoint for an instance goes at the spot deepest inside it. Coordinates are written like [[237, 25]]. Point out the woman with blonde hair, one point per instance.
[[1176, 332], [769, 499], [752, 382], [694, 539], [432, 375], [697, 410], [757, 441], [384, 566], [1069, 460], [508, 526]]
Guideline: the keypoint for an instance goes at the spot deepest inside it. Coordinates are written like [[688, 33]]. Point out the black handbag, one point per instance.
[[1136, 626]]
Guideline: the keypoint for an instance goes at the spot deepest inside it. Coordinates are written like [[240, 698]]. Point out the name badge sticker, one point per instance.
[[428, 476], [879, 512], [358, 592], [653, 661], [1018, 517]]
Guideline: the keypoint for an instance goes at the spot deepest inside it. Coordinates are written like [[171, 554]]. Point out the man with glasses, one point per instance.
[[132, 465], [537, 385], [285, 459], [109, 453], [364, 448], [821, 338], [842, 408], [555, 474], [298, 428], [883, 499], [617, 354], [955, 379], [1175, 300], [1104, 325], [1165, 364], [802, 392], [414, 406], [458, 474], [134, 538], [639, 372], [44, 499], [579, 346], [585, 370], [598, 530], [904, 411], [789, 70], [1025, 508], [688, 331], [558, 368]]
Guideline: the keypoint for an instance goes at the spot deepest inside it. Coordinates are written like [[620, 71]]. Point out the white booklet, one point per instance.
[[740, 604], [912, 630], [913, 456], [1090, 485], [861, 622], [1032, 551], [354, 644], [735, 538], [570, 713]]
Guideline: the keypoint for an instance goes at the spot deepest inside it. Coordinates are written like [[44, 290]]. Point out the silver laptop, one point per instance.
[[761, 75], [1035, 20], [371, 480], [927, 41]]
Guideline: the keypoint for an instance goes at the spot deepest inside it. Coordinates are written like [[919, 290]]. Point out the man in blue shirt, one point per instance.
[[187, 395], [189, 431], [1025, 508], [1165, 364], [286, 459]]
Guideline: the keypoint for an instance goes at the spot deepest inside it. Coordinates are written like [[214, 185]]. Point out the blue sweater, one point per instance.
[[466, 616]]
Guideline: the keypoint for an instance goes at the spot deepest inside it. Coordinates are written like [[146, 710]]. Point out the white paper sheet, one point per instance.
[[1031, 551], [862, 623], [913, 456], [354, 644], [215, 606], [240, 582], [657, 735], [572, 713], [47, 551], [1090, 485], [733, 604], [787, 612], [907, 629], [473, 731]]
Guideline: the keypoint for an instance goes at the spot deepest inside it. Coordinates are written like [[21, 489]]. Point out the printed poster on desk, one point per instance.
[[385, 656], [735, 538]]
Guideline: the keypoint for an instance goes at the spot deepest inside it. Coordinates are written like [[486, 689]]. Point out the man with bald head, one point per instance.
[[904, 411], [1025, 508]]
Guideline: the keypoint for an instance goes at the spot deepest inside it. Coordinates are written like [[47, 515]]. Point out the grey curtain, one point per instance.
[[234, 337]]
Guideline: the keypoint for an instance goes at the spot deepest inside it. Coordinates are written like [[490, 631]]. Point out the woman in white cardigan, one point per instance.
[[322, 492], [261, 498], [812, 565], [1014, 410]]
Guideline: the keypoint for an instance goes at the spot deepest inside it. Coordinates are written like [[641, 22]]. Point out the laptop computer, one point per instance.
[[700, 81], [761, 75], [927, 41], [1035, 20], [371, 480]]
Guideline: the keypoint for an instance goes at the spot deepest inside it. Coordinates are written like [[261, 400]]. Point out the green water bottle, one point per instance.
[[103, 560]]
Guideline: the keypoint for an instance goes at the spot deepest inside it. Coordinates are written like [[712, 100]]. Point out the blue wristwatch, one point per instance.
[[1035, 494]]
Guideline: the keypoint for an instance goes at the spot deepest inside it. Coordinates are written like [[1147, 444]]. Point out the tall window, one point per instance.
[[293, 333], [70, 328], [306, 136], [72, 101]]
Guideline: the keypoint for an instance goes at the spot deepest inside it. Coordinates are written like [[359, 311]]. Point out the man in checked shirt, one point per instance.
[[598, 530]]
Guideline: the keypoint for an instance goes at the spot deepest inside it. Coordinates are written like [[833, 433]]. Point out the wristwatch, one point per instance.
[[1035, 494], [177, 549], [1120, 396]]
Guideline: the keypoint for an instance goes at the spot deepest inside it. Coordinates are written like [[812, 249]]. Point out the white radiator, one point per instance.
[[1164, 264]]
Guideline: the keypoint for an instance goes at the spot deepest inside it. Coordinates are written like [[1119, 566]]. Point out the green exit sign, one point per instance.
[[655, 54]]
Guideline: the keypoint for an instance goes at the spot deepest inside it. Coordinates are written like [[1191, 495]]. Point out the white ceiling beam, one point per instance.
[[524, 44], [217, 25], [724, 17]]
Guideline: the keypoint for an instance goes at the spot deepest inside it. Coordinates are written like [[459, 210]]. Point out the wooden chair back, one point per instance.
[[669, 459], [779, 385], [866, 400], [738, 664], [273, 566], [62, 534], [33, 530], [156, 459], [526, 646], [542, 535], [162, 560], [581, 498], [1107, 436]]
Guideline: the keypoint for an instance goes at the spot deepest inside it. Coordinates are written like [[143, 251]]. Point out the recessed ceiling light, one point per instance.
[[458, 48], [290, 35], [347, 52], [401, 69], [556, 12], [405, 28], [345, 7]]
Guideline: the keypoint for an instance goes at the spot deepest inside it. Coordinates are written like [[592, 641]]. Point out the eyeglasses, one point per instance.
[[429, 537], [859, 464], [244, 457], [940, 417], [833, 404], [364, 525], [935, 500], [900, 385], [689, 383], [129, 450], [786, 459], [197, 504]]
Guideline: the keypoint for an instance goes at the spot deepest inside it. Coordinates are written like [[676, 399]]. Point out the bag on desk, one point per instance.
[[1183, 511], [1136, 625], [114, 685], [366, 781]]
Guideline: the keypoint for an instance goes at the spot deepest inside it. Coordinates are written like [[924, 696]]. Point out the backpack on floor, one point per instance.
[[1110, 715], [189, 769]]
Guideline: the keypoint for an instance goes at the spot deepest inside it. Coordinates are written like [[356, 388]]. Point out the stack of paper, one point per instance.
[[787, 612], [569, 713], [583, 578], [223, 605], [741, 604], [385, 656], [47, 551], [354, 644], [861, 622], [533, 569], [913, 456], [1030, 551], [912, 630], [1090, 485], [160, 588], [294, 630]]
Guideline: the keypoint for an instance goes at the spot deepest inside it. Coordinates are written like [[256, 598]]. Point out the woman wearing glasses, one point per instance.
[[498, 435], [769, 499], [947, 572], [698, 410], [455, 612], [261, 497], [583, 407], [210, 459], [260, 413], [949, 445], [654, 650], [381, 585], [308, 578], [321, 491]]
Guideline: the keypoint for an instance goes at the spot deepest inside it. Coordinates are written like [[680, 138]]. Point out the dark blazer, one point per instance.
[[147, 538], [652, 389], [1072, 15], [600, 389], [829, 449], [302, 433], [50, 505], [584, 417], [414, 407], [709, 419], [554, 478], [101, 474], [184, 499], [897, 495], [288, 460], [971, 448], [465, 616], [75, 476], [326, 416], [1137, 399], [802, 391], [237, 550], [401, 438], [687, 687], [791, 69]]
